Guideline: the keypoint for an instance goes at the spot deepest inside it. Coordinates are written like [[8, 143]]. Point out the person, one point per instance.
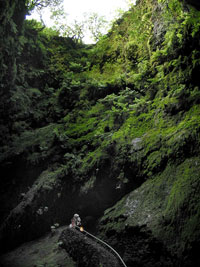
[[75, 221]]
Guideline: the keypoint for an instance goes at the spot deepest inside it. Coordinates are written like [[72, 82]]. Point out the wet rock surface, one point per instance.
[[85, 251], [139, 247]]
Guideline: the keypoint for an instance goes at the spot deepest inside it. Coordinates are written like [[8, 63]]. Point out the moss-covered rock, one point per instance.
[[167, 206], [115, 120], [86, 251]]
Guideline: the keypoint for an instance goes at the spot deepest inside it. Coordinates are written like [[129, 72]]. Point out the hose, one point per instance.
[[103, 242]]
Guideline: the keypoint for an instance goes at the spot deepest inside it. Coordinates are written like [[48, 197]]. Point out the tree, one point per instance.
[[55, 7], [96, 25], [40, 4], [75, 31]]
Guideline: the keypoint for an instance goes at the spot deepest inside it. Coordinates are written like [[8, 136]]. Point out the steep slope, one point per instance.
[[116, 123]]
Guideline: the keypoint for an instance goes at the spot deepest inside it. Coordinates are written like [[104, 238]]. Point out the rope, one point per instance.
[[116, 253]]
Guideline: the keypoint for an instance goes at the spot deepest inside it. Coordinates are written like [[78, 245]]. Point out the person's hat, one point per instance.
[[76, 215]]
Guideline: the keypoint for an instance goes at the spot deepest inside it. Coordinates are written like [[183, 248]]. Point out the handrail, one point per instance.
[[104, 244]]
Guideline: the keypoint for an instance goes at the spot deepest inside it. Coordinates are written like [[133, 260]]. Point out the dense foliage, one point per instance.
[[124, 113]]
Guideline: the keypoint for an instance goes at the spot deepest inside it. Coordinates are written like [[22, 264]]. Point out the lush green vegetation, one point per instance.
[[130, 102]]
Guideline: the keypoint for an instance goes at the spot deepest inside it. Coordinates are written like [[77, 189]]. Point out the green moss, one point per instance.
[[49, 180], [111, 219], [183, 204], [168, 205], [130, 102], [36, 145]]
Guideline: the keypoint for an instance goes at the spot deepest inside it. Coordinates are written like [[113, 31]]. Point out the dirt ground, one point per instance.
[[43, 252]]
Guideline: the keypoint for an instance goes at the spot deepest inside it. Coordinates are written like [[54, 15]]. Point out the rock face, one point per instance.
[[51, 200], [86, 251], [110, 131], [36, 213], [148, 214]]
